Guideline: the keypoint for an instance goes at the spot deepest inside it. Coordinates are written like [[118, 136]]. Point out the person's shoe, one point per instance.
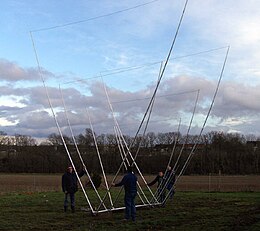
[[65, 209], [72, 209]]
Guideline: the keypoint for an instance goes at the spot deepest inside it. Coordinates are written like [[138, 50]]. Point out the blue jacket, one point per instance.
[[129, 183]]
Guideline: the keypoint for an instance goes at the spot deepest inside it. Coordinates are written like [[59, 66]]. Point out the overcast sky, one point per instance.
[[125, 43]]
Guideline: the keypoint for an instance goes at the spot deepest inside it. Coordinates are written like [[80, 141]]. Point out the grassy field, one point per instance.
[[35, 202], [187, 211]]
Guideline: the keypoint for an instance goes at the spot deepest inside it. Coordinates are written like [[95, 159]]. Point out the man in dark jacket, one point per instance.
[[70, 187], [160, 186], [170, 179], [129, 182]]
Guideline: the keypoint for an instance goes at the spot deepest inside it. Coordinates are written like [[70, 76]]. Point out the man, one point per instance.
[[160, 186], [70, 187], [170, 179], [129, 182]]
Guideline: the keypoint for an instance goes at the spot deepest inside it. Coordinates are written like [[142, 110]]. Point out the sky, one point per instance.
[[101, 60]]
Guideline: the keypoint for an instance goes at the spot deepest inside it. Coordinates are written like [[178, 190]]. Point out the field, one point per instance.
[[188, 211], [35, 202], [210, 183]]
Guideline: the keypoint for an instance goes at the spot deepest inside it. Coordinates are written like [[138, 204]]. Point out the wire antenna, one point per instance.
[[93, 18]]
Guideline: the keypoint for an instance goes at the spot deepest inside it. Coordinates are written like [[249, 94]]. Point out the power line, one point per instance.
[[126, 69], [93, 18], [159, 96], [103, 122]]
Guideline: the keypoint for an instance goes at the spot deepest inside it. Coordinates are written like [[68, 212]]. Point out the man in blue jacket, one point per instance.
[[129, 182], [70, 187]]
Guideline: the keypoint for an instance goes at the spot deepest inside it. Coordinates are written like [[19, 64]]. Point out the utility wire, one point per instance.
[[160, 96], [130, 68], [93, 18]]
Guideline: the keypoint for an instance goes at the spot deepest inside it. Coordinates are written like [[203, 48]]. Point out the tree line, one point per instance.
[[228, 153]]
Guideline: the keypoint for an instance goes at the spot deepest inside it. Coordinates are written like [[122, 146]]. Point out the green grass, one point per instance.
[[187, 211]]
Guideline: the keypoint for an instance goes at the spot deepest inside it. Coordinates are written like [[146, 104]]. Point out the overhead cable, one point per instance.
[[93, 18]]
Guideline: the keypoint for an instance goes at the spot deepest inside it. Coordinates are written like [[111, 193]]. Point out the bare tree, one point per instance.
[[23, 140], [111, 139], [56, 139]]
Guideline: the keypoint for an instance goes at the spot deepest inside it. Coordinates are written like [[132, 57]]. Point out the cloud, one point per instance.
[[12, 72], [235, 108], [170, 104]]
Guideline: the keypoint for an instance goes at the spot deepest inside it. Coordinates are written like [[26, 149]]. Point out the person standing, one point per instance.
[[160, 186], [129, 182], [170, 180], [70, 187]]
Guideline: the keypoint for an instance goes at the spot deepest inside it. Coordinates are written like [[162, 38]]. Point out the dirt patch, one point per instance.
[[52, 182]]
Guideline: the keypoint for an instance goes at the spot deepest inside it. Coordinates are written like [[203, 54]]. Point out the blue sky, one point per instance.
[[72, 57]]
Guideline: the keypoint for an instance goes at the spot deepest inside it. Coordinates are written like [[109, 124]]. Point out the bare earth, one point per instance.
[[43, 182]]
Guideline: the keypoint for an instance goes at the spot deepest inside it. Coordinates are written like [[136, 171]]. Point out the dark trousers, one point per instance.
[[171, 190], [72, 199], [161, 194], [130, 210]]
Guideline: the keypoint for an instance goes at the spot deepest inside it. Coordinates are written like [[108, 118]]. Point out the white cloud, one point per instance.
[[4, 122], [11, 101], [232, 108]]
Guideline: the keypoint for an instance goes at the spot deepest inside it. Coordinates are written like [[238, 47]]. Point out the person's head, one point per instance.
[[70, 169], [160, 173], [129, 168]]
